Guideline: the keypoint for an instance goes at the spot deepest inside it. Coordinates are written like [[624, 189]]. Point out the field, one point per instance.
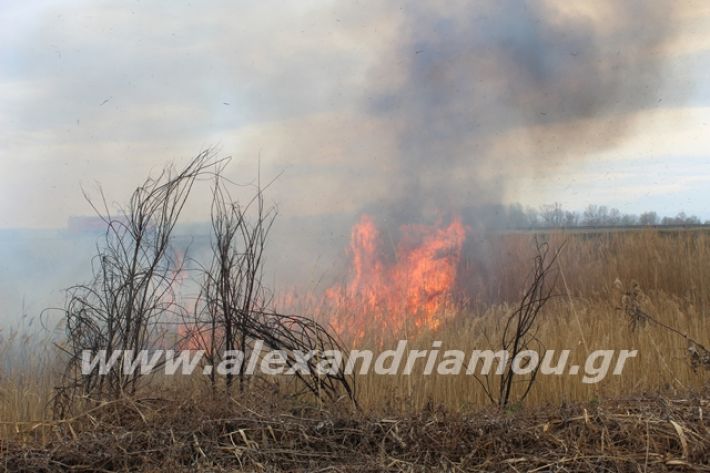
[[649, 418]]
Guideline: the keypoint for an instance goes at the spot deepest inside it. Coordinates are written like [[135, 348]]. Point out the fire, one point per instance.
[[411, 292]]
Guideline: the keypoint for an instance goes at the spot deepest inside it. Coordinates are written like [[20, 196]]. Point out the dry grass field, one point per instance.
[[670, 271]]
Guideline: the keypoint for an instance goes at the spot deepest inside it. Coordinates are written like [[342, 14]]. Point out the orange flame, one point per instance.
[[410, 293]]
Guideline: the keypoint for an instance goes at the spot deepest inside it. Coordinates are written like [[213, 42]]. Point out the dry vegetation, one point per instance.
[[644, 290], [435, 421], [670, 269], [162, 434]]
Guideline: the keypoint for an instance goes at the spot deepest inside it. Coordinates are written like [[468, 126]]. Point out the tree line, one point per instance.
[[554, 215]]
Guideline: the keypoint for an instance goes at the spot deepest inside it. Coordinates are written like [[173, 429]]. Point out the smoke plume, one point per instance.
[[479, 91]]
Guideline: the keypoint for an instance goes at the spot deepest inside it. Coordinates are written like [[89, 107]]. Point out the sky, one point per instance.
[[352, 105]]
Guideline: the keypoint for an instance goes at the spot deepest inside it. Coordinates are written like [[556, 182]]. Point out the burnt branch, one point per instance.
[[521, 326], [134, 274], [233, 311]]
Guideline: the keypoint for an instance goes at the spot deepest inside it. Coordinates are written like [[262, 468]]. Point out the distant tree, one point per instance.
[[648, 218], [692, 220], [595, 215], [552, 215], [589, 216], [613, 218], [629, 219], [571, 219], [682, 219]]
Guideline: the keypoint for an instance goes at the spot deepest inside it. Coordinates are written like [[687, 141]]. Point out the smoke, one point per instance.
[[478, 92]]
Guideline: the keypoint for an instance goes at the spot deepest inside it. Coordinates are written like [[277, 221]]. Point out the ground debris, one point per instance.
[[645, 434]]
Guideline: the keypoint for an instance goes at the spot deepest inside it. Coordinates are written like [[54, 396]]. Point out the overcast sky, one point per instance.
[[516, 101]]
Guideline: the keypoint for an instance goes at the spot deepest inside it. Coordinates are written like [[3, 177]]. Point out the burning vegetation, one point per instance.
[[423, 124], [401, 283], [412, 289]]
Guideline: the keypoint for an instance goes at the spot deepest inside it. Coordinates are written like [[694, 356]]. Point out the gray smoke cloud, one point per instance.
[[400, 109], [478, 91]]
